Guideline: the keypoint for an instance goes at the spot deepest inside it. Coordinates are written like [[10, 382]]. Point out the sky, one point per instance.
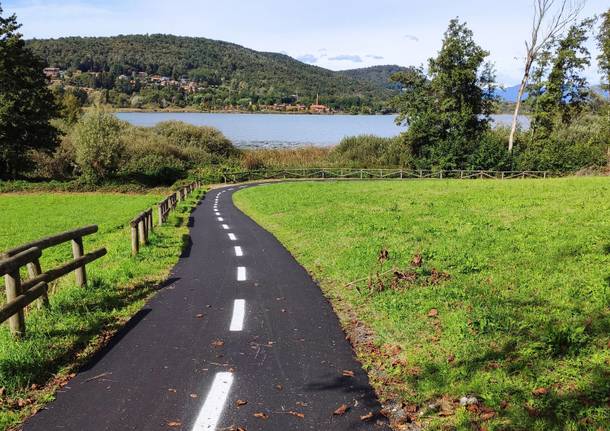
[[335, 34]]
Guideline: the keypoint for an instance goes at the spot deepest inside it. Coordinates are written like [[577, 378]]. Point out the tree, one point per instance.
[[603, 39], [559, 91], [26, 104], [448, 109], [551, 18], [98, 143]]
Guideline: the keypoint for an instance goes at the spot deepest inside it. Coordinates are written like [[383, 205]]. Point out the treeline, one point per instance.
[[227, 74]]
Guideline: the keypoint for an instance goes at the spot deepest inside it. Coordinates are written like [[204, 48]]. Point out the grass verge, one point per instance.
[[497, 291], [80, 320]]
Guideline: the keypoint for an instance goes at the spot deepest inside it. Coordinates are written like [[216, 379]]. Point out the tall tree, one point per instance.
[[26, 104], [603, 39], [551, 18], [449, 109], [560, 91]]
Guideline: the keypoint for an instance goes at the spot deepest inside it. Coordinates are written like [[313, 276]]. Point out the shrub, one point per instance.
[[98, 143], [60, 165], [373, 151], [583, 143], [207, 138], [491, 153]]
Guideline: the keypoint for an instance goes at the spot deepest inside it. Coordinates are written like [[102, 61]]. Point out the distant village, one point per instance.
[[56, 75]]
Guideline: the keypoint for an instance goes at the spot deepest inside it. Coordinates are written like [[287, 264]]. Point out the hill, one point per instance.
[[377, 75], [241, 73]]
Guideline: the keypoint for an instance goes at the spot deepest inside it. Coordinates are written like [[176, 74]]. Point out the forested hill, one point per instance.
[[206, 61], [378, 75]]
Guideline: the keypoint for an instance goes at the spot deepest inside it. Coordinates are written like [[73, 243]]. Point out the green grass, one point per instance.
[[80, 319], [527, 304]]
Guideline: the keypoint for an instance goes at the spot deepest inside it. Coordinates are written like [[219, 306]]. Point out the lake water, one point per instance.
[[284, 130]]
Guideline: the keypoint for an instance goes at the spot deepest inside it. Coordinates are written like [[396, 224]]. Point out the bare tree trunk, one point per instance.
[[513, 128]]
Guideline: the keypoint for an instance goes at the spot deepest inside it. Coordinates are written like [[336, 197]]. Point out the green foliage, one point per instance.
[[98, 143], [204, 138], [559, 92], [26, 104], [580, 144], [603, 40], [368, 151], [525, 307], [448, 110], [226, 72]]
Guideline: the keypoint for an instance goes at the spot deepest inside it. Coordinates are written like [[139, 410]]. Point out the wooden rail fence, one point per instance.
[[20, 294], [367, 174], [143, 225]]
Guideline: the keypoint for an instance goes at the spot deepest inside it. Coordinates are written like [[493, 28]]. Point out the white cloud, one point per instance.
[[347, 57]]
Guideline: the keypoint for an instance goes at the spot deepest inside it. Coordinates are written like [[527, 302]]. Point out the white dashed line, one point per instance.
[[225, 226], [220, 219], [210, 413], [239, 311], [217, 213], [232, 237], [238, 251], [241, 273]]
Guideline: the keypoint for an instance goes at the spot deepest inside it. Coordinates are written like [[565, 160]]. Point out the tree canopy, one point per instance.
[[26, 104]]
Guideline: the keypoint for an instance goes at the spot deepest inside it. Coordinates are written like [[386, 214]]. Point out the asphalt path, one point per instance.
[[239, 337]]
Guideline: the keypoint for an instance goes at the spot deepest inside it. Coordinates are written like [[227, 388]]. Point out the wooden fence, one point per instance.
[[20, 294], [143, 224], [368, 174]]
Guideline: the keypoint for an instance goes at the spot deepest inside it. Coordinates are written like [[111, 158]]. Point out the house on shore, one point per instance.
[[317, 108]]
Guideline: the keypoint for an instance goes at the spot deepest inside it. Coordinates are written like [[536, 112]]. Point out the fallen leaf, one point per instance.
[[416, 261], [194, 395], [200, 316], [240, 403], [487, 415], [261, 415], [433, 313], [540, 391], [297, 414], [451, 359], [367, 417], [173, 391], [279, 387], [348, 373], [174, 424], [218, 343], [341, 410]]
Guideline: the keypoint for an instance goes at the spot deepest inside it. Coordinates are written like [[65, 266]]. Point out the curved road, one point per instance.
[[239, 338]]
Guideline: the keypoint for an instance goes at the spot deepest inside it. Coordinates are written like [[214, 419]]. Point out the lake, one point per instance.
[[284, 130]]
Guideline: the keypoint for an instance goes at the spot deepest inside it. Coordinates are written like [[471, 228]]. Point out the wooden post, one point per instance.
[[160, 214], [34, 270], [142, 232], [16, 322], [150, 220], [135, 243], [79, 251], [502, 174]]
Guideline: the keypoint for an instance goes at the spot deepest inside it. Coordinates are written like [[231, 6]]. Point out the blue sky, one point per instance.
[[336, 34]]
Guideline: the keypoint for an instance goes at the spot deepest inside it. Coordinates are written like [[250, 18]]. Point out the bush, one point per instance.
[[60, 165], [583, 143], [492, 152], [206, 138], [98, 143], [368, 151]]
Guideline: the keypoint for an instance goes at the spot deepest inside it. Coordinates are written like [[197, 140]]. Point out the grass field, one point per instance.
[[80, 319], [501, 291]]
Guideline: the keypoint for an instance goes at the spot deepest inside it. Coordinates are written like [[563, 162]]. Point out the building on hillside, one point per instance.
[[51, 72], [317, 108]]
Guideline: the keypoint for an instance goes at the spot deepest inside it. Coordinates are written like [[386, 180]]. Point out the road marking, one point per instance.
[[225, 226], [238, 251], [217, 213], [239, 311], [232, 237], [220, 219], [210, 413], [241, 273]]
